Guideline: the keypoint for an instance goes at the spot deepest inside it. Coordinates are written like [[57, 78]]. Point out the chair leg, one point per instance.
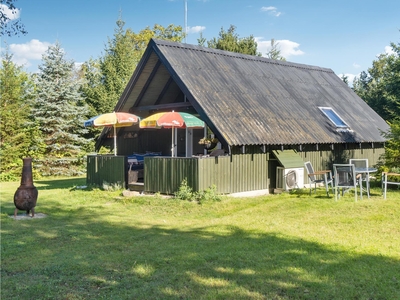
[[327, 189]]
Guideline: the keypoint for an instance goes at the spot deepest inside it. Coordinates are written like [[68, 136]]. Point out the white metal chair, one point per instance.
[[360, 165], [345, 178], [315, 177]]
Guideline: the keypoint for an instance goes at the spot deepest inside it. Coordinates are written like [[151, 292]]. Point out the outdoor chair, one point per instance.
[[317, 177], [361, 167], [217, 152], [345, 178]]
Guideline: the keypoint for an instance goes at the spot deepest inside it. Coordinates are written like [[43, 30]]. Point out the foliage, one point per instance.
[[107, 77], [59, 112], [185, 192], [345, 79], [380, 86], [230, 41], [209, 194], [208, 140], [8, 23], [391, 157], [16, 139], [275, 52], [92, 245], [112, 186]]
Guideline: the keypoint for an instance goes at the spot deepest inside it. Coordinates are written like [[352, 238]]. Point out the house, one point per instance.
[[256, 107]]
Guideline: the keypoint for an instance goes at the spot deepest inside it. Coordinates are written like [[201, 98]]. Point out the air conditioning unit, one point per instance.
[[287, 179]]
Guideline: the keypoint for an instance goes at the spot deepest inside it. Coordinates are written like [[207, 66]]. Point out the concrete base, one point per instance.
[[250, 193], [28, 217]]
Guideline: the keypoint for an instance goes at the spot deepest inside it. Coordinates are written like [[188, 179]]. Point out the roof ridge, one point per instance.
[[240, 55]]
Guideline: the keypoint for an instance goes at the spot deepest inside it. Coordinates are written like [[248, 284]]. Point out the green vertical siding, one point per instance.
[[165, 174], [239, 172], [106, 168], [215, 171], [324, 159], [230, 174]]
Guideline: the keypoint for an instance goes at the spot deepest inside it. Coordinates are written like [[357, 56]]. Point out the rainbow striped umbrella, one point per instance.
[[171, 120], [114, 119]]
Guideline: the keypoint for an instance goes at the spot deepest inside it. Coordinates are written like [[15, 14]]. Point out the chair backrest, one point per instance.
[[310, 170], [359, 162], [345, 175], [217, 152]]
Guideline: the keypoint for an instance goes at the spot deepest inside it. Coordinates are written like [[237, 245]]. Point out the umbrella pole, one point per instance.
[[115, 141], [172, 145]]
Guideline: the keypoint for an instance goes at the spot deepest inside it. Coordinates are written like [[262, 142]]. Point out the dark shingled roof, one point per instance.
[[250, 100]]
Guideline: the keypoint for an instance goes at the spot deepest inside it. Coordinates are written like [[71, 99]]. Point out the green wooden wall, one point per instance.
[[106, 168], [240, 172], [230, 174]]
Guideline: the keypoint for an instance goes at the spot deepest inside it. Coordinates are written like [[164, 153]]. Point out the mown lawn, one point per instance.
[[99, 245]]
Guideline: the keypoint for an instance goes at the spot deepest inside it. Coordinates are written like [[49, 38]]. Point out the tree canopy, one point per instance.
[[9, 25], [59, 111], [275, 51], [230, 41], [380, 85], [15, 137], [107, 77], [380, 88]]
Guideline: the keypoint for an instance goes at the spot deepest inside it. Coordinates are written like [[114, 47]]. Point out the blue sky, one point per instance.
[[343, 35]]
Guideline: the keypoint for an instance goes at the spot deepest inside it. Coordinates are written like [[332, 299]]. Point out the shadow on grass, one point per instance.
[[320, 193], [60, 183], [83, 255]]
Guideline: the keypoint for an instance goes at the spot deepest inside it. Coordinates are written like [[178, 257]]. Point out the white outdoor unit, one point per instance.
[[289, 178]]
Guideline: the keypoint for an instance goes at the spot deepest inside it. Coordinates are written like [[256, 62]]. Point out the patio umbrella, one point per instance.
[[171, 120], [114, 119]]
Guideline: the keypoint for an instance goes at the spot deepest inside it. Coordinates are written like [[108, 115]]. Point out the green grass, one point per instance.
[[100, 245]]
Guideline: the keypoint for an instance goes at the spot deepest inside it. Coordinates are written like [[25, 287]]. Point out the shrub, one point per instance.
[[185, 192]]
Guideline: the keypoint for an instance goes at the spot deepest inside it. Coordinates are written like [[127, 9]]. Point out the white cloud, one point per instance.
[[11, 14], [389, 50], [272, 10], [355, 65], [195, 29], [23, 54], [350, 78], [286, 47]]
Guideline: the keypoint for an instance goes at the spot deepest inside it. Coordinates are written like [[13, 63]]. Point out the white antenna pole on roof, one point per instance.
[[185, 19]]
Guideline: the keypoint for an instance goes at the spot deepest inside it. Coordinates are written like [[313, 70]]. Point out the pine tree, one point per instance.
[[230, 41], [275, 51], [59, 111]]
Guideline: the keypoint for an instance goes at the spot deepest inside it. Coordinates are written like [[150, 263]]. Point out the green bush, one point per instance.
[[185, 192]]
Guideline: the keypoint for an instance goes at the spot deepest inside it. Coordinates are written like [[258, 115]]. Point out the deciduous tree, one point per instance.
[[380, 88], [107, 77], [380, 85], [10, 24], [16, 140]]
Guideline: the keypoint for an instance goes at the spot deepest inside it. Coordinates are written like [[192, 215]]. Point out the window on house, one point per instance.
[[334, 117]]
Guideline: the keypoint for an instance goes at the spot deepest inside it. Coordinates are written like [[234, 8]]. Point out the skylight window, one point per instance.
[[334, 117]]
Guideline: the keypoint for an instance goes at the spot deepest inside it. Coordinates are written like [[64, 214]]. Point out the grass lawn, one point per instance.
[[100, 245]]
